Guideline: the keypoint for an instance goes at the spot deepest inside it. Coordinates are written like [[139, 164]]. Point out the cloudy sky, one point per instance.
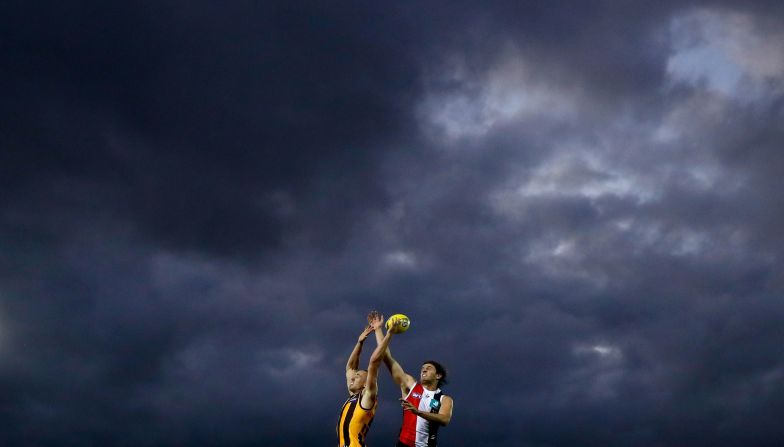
[[577, 205]]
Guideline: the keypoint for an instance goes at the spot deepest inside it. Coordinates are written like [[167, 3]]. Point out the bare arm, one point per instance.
[[443, 416], [371, 385], [353, 360], [403, 380]]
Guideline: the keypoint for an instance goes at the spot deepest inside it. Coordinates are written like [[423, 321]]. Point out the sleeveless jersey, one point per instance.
[[354, 422], [417, 431]]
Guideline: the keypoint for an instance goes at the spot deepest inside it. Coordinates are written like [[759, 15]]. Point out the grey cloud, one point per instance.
[[200, 203]]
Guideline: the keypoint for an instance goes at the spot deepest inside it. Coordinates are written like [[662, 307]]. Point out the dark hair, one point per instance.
[[439, 370]]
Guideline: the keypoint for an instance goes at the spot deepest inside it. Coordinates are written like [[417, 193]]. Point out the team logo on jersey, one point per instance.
[[417, 395], [434, 404]]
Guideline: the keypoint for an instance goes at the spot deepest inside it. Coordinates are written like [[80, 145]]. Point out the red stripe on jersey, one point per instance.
[[408, 429]]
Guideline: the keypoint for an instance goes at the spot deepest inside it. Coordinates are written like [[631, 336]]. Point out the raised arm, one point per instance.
[[403, 380], [353, 360], [371, 385]]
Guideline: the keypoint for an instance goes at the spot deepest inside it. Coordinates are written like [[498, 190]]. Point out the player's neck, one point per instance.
[[430, 386]]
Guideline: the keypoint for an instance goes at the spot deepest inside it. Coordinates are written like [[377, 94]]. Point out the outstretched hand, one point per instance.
[[395, 325], [367, 331], [375, 320]]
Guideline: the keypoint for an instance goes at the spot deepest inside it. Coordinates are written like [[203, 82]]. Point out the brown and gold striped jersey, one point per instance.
[[354, 422]]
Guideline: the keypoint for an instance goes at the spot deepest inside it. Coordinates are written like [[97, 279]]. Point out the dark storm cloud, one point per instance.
[[576, 204], [200, 122]]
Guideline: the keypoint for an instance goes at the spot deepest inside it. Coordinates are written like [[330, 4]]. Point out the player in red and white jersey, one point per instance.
[[425, 406]]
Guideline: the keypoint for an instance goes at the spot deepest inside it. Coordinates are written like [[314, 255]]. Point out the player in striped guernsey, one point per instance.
[[425, 407], [360, 407]]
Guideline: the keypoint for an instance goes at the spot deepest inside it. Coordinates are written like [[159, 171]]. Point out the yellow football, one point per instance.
[[404, 323]]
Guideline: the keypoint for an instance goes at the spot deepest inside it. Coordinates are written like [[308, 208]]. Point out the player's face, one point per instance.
[[358, 381], [428, 373]]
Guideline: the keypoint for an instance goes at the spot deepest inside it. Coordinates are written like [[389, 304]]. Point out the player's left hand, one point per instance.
[[408, 406], [368, 330], [376, 320], [372, 316]]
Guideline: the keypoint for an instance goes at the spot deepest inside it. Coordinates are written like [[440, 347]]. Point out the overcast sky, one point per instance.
[[579, 205]]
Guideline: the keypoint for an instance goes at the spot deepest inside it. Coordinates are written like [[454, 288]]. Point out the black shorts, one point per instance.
[[400, 444]]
